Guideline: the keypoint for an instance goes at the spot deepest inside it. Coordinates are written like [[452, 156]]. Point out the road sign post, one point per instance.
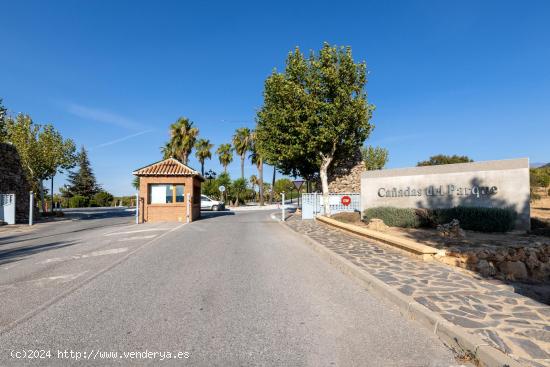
[[298, 185]]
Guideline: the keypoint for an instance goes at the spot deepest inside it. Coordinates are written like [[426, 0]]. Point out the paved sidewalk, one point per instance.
[[506, 320]]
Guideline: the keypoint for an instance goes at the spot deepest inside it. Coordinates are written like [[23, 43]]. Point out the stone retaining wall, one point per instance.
[[13, 181], [522, 262]]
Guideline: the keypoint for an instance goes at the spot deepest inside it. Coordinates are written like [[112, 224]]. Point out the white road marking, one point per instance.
[[91, 254], [136, 231], [64, 278], [14, 264], [137, 238]]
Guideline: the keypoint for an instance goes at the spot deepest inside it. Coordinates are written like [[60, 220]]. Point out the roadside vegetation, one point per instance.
[[471, 218]]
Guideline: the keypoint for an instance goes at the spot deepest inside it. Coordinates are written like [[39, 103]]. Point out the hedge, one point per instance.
[[395, 217], [471, 218], [78, 201]]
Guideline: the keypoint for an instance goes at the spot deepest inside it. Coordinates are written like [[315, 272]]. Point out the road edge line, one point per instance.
[[454, 336]]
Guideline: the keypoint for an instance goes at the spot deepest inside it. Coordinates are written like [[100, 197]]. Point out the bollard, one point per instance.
[[283, 207], [31, 206], [137, 208]]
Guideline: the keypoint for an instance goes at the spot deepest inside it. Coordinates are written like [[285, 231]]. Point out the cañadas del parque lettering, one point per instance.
[[441, 190]]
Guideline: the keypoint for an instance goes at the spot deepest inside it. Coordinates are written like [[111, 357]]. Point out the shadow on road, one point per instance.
[[20, 253], [208, 215], [98, 213]]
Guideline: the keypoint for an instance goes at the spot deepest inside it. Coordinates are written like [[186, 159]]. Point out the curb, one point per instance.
[[456, 337], [415, 248]]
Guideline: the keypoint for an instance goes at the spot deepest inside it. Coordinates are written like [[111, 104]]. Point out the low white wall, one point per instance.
[[499, 184]]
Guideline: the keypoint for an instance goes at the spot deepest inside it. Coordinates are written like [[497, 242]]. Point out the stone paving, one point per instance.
[[517, 325]]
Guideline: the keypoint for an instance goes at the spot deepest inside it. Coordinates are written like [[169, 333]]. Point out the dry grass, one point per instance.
[[541, 208]]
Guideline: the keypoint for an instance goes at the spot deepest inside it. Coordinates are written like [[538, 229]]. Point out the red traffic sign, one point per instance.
[[346, 200]]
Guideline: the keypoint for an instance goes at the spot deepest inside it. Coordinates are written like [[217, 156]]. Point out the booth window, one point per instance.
[[166, 194]]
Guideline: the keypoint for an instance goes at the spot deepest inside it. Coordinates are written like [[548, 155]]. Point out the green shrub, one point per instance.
[[78, 201], [394, 217], [102, 198], [471, 218], [478, 218]]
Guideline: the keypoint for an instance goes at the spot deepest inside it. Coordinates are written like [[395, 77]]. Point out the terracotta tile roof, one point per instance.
[[167, 167]]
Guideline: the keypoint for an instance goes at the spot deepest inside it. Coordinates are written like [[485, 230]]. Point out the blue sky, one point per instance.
[[462, 77]]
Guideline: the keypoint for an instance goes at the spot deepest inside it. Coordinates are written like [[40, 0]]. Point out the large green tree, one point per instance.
[[315, 113], [42, 150], [374, 157], [22, 132], [439, 159], [83, 182], [203, 151], [183, 136], [57, 155], [225, 155], [241, 142]]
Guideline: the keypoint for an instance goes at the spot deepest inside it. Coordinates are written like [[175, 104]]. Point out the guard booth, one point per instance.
[[169, 191]]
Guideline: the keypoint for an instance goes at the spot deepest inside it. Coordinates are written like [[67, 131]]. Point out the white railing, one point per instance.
[[312, 204]]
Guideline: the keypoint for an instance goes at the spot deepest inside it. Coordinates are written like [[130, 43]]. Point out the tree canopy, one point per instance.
[[183, 136], [225, 155], [315, 114], [374, 157], [203, 151], [445, 159]]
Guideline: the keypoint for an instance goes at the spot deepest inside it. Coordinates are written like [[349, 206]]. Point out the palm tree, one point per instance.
[[135, 182], [241, 142], [225, 155], [253, 182], [256, 159], [166, 150], [182, 139], [203, 147]]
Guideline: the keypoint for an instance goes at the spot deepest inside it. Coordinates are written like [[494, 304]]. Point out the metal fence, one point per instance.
[[312, 204], [7, 208]]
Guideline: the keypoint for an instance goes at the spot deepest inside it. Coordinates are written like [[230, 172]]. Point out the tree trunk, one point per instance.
[[225, 169], [51, 193], [202, 169], [242, 166], [261, 180], [42, 195], [272, 186], [325, 163]]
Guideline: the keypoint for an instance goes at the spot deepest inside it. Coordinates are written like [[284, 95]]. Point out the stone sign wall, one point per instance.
[[500, 184]]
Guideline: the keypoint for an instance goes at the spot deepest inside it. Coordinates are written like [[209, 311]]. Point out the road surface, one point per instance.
[[233, 289]]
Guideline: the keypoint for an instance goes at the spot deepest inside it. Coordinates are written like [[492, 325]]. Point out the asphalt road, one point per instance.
[[228, 290]]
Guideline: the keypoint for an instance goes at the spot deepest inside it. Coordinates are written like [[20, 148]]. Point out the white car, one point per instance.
[[209, 204]]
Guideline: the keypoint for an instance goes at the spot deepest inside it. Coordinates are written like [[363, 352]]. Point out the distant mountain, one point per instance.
[[547, 165], [540, 165]]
